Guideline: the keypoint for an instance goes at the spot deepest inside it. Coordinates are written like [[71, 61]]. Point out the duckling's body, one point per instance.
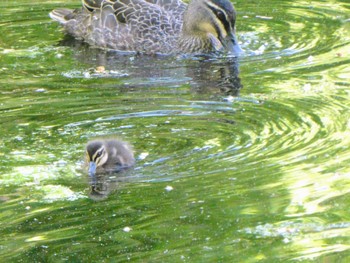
[[153, 26], [109, 155]]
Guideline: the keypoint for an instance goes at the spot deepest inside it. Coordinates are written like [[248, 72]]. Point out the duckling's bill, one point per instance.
[[92, 168]]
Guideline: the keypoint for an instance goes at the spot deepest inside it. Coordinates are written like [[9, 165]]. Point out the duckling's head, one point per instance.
[[96, 154], [213, 21]]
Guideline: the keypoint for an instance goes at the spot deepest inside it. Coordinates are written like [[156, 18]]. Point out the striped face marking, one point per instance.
[[99, 157], [224, 24]]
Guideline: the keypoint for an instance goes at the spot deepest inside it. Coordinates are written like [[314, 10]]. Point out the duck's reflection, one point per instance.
[[220, 76], [205, 74]]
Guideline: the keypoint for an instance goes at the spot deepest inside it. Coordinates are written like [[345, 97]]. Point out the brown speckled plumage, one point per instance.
[[153, 26]]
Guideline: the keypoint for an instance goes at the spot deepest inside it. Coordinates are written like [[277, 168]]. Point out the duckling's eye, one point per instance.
[[98, 155]]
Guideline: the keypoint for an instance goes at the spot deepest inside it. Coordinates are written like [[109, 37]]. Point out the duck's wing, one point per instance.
[[136, 25], [175, 7]]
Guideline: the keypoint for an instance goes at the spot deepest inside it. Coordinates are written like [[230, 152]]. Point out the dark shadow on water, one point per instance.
[[205, 74]]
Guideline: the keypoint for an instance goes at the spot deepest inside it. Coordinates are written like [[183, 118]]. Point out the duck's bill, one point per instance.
[[92, 168], [231, 45]]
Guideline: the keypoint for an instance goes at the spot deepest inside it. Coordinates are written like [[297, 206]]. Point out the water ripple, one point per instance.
[[227, 170]]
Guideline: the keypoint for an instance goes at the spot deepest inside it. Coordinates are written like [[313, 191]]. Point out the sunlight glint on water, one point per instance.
[[259, 173]]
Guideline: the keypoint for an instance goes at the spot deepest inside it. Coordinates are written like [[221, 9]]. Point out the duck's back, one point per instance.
[[147, 26]]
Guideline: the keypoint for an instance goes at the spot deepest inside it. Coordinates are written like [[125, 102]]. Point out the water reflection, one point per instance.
[[102, 185], [205, 74]]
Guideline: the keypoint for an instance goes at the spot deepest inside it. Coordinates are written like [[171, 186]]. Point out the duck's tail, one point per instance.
[[61, 15]]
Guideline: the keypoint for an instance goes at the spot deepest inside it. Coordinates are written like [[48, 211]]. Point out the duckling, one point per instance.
[[153, 26], [110, 155]]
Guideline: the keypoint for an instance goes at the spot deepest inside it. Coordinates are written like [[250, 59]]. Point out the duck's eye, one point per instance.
[[220, 15]]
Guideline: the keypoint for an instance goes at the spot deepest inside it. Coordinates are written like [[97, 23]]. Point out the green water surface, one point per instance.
[[238, 160]]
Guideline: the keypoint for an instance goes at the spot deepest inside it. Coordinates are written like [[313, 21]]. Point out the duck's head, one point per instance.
[[96, 155], [213, 21]]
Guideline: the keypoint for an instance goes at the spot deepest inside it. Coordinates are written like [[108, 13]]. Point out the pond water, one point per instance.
[[238, 160]]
